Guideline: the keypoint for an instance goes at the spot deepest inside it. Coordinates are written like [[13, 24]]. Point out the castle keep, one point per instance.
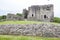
[[41, 13]]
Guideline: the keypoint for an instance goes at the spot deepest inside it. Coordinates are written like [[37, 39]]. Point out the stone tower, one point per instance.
[[41, 13], [25, 13]]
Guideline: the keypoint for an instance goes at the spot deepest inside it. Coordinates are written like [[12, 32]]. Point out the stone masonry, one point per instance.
[[43, 13], [40, 13], [13, 17], [42, 30]]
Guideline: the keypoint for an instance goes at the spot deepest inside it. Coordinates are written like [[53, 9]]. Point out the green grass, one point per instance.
[[9, 37], [24, 22], [18, 22]]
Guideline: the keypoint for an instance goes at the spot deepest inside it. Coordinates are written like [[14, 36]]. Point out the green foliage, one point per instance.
[[19, 14], [9, 37], [0, 17], [4, 17], [56, 19]]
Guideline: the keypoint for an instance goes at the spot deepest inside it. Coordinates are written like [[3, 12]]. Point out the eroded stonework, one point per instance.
[[42, 30], [40, 13], [13, 17], [43, 13]]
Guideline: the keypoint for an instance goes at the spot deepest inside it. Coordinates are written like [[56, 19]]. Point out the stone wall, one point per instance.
[[41, 13], [42, 30], [14, 17]]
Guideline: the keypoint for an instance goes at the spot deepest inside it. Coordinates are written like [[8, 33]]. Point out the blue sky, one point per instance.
[[16, 6]]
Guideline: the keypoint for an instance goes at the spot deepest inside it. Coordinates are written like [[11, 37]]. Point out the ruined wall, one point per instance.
[[41, 13], [34, 12], [25, 13], [47, 13], [42, 30], [14, 17]]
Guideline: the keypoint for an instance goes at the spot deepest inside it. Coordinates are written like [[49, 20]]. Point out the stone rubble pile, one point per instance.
[[42, 30]]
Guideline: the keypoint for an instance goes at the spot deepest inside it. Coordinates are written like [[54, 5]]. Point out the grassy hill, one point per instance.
[[10, 37], [6, 37], [24, 22], [18, 22]]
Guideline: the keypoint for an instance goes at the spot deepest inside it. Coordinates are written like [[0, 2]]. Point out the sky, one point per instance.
[[17, 6]]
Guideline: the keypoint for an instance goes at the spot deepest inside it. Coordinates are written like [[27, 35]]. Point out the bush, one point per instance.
[[56, 19], [19, 14], [2, 18]]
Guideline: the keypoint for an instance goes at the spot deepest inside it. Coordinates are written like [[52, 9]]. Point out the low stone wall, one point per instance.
[[43, 30]]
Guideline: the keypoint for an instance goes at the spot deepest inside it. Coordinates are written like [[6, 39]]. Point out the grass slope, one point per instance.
[[24, 22], [7, 37], [18, 22]]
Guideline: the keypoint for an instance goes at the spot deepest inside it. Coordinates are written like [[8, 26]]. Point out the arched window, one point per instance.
[[32, 15], [45, 16]]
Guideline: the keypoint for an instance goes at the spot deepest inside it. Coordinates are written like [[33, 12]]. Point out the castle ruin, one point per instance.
[[40, 13], [35, 13], [14, 17]]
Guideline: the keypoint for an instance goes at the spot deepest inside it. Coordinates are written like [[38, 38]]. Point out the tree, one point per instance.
[[19, 14], [0, 17], [56, 19], [4, 17]]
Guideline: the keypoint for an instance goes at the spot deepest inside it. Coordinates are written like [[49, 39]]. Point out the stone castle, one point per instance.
[[37, 13]]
